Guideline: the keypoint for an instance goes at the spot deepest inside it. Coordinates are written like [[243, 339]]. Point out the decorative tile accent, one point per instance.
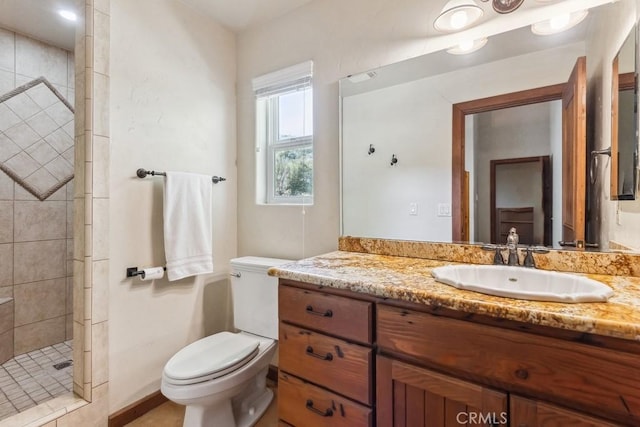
[[36, 137]]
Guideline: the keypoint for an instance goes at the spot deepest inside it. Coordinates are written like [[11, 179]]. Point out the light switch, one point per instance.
[[444, 209], [413, 208]]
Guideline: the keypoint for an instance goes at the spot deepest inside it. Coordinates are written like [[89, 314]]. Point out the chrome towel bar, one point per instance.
[[141, 173]]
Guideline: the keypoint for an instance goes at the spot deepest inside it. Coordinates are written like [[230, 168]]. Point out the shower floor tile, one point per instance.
[[30, 379]]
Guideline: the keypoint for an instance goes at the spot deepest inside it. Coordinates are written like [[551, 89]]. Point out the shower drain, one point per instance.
[[63, 365]]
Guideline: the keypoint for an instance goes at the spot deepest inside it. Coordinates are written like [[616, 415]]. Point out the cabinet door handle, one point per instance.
[[326, 413], [327, 356], [327, 313]]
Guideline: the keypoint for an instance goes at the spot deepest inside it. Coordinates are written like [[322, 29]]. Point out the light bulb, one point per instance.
[[560, 21], [459, 19], [466, 45], [69, 15]]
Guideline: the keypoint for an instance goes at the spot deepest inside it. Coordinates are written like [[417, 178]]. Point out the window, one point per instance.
[[284, 136]]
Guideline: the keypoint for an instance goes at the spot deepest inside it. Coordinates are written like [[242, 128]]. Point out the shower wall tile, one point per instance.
[[6, 222], [6, 345], [70, 219], [101, 48], [6, 291], [101, 154], [68, 327], [69, 301], [35, 59], [6, 186], [7, 50], [100, 229], [7, 81], [6, 316], [35, 261], [101, 110], [6, 264], [100, 353], [38, 301], [40, 334], [100, 296], [40, 220]]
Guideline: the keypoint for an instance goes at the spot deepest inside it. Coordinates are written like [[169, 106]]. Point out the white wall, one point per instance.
[[172, 108], [603, 44]]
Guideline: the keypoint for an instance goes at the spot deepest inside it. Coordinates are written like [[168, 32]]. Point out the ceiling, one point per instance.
[[239, 15], [39, 18]]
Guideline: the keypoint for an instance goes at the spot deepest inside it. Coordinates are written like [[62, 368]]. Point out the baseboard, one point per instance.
[[137, 409]]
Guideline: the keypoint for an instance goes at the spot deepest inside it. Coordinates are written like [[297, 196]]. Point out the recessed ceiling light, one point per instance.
[[457, 15], [559, 23], [467, 46], [68, 15]]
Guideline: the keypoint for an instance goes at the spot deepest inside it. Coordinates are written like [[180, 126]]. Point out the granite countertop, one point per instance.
[[409, 279]]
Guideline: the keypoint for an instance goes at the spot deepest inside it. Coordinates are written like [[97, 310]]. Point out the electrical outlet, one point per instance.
[[413, 208], [444, 209]]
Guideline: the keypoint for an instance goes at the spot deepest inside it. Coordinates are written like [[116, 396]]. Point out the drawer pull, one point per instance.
[[326, 413], [327, 313], [523, 374], [327, 356]]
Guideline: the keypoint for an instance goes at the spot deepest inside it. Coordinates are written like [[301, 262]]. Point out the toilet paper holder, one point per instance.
[[133, 272]]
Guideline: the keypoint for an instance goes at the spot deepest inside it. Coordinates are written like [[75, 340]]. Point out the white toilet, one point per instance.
[[221, 379]]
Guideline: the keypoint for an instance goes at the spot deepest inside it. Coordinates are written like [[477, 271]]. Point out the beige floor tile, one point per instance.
[[170, 414]]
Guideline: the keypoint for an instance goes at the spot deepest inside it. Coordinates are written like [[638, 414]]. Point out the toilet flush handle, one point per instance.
[[238, 275]]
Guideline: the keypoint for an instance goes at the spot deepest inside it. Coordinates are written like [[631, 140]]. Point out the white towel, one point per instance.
[[188, 244]]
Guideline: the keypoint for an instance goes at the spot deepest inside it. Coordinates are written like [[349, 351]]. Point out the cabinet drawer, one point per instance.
[[602, 381], [330, 362], [304, 405], [344, 317]]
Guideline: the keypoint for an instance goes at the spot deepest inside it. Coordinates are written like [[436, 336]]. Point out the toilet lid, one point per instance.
[[211, 354]]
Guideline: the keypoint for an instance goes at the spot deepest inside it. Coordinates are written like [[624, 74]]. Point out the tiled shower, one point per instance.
[[36, 232]]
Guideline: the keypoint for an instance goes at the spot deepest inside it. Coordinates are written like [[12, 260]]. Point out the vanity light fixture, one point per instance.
[[467, 46], [457, 15], [559, 23], [68, 15]]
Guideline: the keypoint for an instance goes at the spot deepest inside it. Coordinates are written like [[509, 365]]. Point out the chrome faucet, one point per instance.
[[512, 246]]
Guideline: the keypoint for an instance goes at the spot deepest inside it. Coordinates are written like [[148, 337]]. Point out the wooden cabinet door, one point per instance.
[[411, 396], [530, 413]]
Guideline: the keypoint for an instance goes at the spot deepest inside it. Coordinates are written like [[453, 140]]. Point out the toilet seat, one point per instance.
[[210, 357]]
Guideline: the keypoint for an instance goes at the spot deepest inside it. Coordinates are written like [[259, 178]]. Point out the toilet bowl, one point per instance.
[[221, 379]]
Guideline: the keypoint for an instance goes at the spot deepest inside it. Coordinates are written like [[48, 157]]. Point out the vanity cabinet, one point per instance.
[[586, 379], [411, 396], [325, 357]]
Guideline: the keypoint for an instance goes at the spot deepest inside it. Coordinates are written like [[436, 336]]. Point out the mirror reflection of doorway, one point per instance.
[[521, 191]]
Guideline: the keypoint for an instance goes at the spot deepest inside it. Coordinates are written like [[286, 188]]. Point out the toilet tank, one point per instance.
[[255, 295]]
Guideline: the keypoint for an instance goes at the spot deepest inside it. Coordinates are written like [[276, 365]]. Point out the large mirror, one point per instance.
[[624, 121], [399, 146]]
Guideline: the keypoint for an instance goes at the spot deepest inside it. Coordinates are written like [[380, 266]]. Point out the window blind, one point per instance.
[[288, 79]]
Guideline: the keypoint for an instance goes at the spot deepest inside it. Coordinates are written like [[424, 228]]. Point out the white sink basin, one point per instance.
[[523, 283]]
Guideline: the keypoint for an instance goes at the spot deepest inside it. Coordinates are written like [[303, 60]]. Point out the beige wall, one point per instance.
[[341, 37], [172, 108]]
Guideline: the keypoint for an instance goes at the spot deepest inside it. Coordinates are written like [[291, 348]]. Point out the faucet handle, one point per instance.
[[497, 257], [530, 250]]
